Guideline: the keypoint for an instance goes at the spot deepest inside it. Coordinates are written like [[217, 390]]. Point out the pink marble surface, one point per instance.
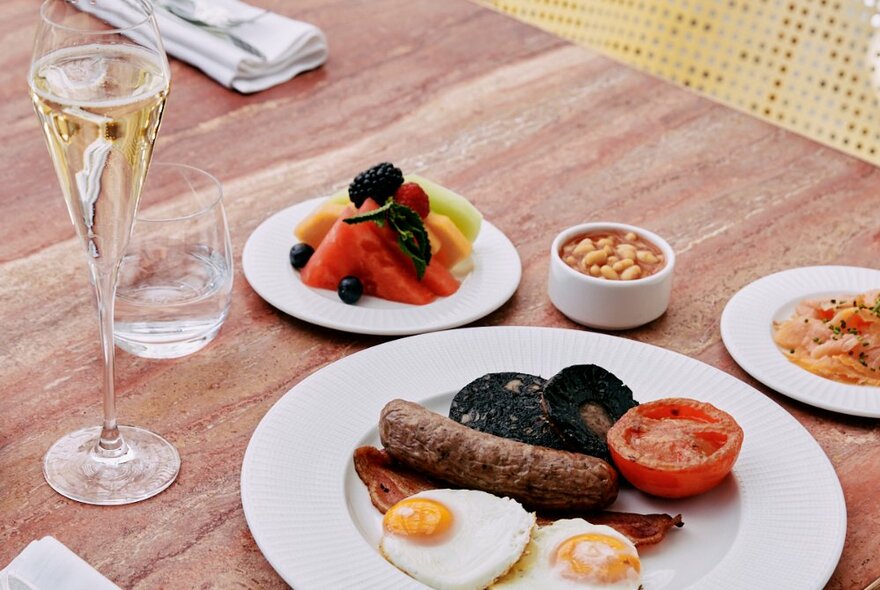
[[537, 132]]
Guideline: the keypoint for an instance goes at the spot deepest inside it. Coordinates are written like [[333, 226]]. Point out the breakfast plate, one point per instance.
[[777, 521], [747, 324], [493, 280]]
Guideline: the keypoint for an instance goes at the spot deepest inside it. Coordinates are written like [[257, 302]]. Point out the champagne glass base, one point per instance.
[[74, 469]]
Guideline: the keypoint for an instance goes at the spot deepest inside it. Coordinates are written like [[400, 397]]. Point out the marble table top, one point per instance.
[[537, 132]]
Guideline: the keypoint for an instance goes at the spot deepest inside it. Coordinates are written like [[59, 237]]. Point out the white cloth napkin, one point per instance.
[[264, 50], [48, 565]]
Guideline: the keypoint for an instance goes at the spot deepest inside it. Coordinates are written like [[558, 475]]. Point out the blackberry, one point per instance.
[[379, 183]]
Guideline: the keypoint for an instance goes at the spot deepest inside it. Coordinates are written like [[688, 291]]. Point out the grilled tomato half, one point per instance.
[[675, 447]]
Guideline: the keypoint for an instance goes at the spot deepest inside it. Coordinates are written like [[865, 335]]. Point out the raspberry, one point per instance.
[[378, 183], [414, 197]]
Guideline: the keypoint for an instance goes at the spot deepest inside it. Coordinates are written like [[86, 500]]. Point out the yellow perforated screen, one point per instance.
[[807, 65]]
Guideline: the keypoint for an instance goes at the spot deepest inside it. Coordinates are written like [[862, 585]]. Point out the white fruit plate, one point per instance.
[[495, 276]]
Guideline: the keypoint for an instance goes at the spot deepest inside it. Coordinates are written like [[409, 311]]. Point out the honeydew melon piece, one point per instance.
[[315, 227], [453, 245], [445, 202]]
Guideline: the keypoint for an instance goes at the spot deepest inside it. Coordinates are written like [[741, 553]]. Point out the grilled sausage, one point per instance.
[[539, 477]]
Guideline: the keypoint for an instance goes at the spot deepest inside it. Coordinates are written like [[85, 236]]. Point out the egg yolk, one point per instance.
[[418, 517], [596, 558]]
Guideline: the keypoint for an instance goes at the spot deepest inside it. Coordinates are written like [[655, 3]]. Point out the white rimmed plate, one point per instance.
[[747, 331], [778, 522], [266, 264]]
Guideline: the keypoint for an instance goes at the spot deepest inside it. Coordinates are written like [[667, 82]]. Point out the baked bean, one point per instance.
[[633, 272], [596, 257], [626, 251], [622, 264], [585, 246], [646, 256], [613, 255]]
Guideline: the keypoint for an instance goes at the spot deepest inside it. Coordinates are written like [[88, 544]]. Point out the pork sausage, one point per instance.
[[540, 478]]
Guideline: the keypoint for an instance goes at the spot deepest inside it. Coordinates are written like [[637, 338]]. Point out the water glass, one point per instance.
[[175, 281]]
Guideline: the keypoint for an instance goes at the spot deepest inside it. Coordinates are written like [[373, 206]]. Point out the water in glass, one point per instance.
[[175, 281]]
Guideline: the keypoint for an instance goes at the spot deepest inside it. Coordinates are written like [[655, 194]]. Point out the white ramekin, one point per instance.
[[604, 304]]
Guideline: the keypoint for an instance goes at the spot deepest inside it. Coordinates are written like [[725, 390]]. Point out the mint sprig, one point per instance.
[[412, 237]]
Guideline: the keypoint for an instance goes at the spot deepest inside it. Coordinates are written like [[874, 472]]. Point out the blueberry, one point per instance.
[[300, 254], [350, 289]]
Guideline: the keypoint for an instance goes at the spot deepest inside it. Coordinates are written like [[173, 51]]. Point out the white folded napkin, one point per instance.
[[48, 565], [240, 46]]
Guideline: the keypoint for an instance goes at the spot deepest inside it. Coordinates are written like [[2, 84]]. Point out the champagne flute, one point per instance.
[[99, 91]]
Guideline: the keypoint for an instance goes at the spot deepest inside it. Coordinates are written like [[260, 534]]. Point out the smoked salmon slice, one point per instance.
[[837, 338]]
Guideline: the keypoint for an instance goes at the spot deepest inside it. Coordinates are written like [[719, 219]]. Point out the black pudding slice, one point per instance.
[[583, 402], [506, 405]]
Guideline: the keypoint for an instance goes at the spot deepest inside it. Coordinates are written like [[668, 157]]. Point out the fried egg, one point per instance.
[[455, 539], [575, 555]]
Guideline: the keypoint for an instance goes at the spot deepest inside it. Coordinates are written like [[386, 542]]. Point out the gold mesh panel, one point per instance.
[[807, 65]]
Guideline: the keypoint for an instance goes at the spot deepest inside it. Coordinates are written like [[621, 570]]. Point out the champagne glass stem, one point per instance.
[[111, 444]]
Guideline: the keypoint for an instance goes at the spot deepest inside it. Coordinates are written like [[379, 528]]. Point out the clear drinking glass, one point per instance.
[[175, 283], [99, 79]]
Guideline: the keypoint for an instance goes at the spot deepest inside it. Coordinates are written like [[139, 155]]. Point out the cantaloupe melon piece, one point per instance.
[[435, 242], [445, 202], [454, 246], [313, 228]]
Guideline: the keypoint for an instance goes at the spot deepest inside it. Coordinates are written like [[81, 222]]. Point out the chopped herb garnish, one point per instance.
[[862, 360], [834, 301], [816, 340], [791, 351]]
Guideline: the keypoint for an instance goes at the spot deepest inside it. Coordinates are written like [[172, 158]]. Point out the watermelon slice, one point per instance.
[[370, 253]]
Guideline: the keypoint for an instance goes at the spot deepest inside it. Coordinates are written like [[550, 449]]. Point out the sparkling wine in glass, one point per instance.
[[99, 80]]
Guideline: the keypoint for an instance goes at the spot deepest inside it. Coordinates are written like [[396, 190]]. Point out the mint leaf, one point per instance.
[[377, 215], [412, 237]]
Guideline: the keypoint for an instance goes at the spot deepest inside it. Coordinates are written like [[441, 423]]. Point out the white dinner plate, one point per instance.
[[266, 264], [747, 331], [778, 522]]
